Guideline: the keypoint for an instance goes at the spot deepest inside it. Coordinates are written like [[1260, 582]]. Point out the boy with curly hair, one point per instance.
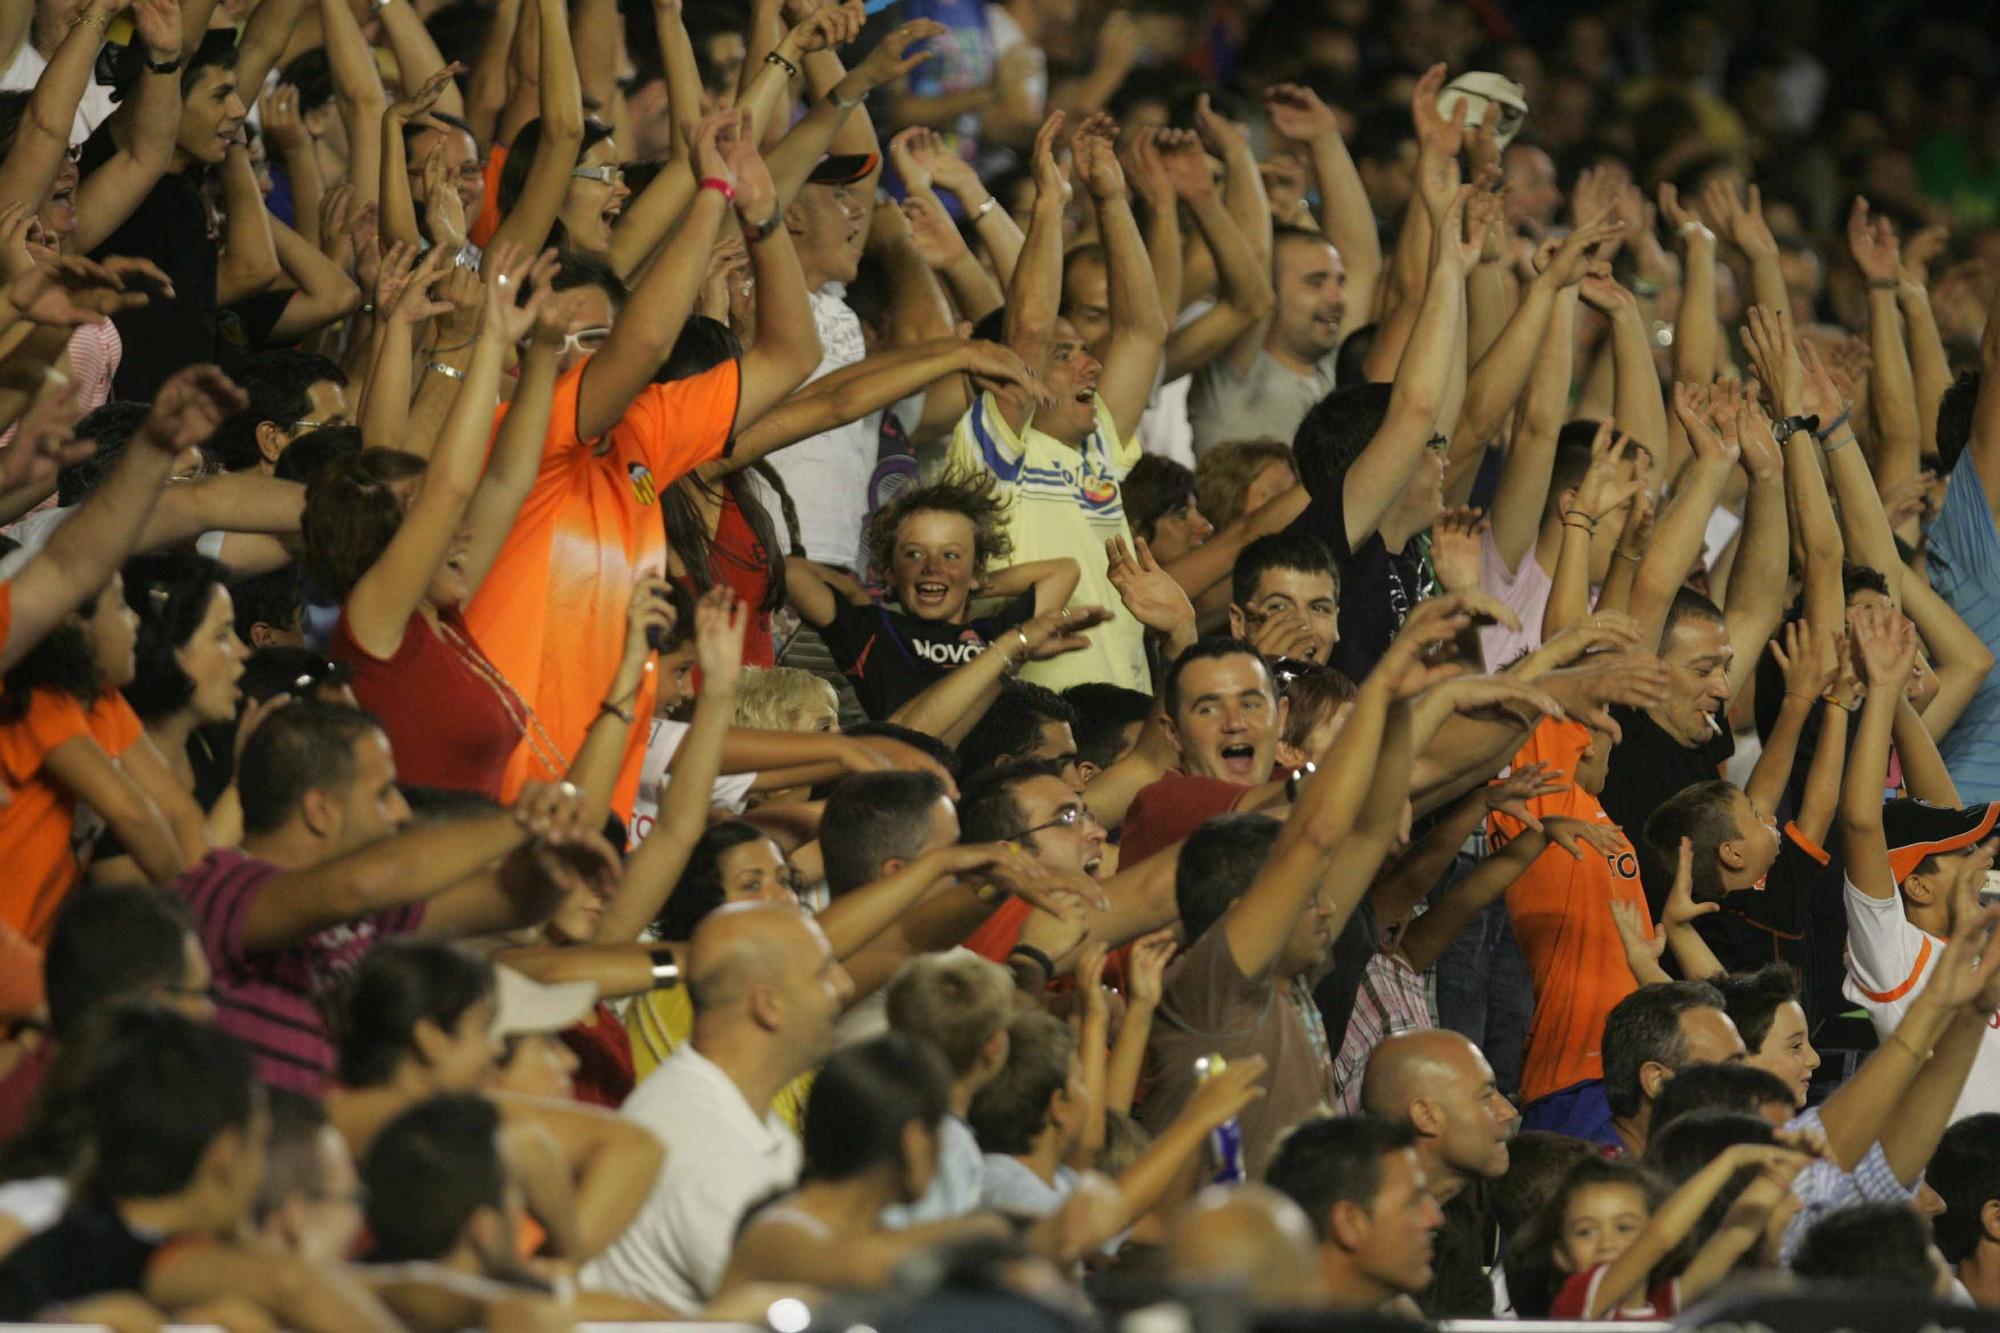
[[931, 548]]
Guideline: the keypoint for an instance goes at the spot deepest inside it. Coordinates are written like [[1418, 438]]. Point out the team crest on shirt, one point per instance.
[[643, 488], [1099, 489]]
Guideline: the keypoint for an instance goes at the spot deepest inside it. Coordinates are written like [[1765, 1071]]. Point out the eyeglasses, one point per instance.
[[605, 175], [585, 340], [320, 425], [1068, 817]]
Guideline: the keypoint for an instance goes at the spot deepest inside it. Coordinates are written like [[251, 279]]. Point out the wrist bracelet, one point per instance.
[[1625, 555], [1834, 425], [1794, 694], [1037, 957], [1845, 708], [455, 347], [164, 66], [1846, 438], [666, 968], [1645, 288], [366, 310], [1885, 284], [841, 103], [622, 714], [719, 185], [449, 372], [760, 231], [100, 22], [773, 58], [1922, 1057]]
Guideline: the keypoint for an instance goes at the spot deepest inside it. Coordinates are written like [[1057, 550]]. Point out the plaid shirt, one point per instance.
[[1824, 1188], [1393, 998]]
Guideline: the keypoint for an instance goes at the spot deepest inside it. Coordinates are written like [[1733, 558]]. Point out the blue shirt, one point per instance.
[[1964, 555], [955, 1182]]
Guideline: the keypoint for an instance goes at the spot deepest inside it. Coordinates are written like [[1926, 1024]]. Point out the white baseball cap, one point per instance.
[[1478, 90], [523, 1005]]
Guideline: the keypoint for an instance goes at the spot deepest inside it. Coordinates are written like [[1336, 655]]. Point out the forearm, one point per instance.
[[1348, 220], [385, 409], [1930, 368], [1035, 293], [1128, 1056], [1163, 253], [1420, 868], [1432, 933], [1822, 791], [42, 138], [1488, 307], [1924, 773], [1857, 1112], [1868, 766], [1758, 581], [1870, 541], [1641, 411], [1910, 1136], [486, 87], [1502, 373], [1892, 392], [1694, 324], [1817, 531], [1774, 765], [1677, 538], [953, 705], [264, 39]]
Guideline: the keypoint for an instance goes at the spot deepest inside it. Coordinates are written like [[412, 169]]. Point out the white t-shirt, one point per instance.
[[1525, 592], [91, 110], [1889, 961], [731, 791], [723, 1155]]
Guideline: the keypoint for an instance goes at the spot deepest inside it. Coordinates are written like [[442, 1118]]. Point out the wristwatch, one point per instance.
[[1786, 427], [166, 66]]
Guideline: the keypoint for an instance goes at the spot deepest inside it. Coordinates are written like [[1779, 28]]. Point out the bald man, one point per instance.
[[1439, 1085], [1249, 1237], [765, 990]]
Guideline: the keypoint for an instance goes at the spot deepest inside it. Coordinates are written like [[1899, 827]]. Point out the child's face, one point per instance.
[[933, 570], [675, 672], [1600, 1223], [1758, 837]]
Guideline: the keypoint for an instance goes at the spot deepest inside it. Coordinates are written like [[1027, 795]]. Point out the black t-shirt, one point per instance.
[[1377, 586], [170, 227], [1647, 768], [1460, 1287], [892, 657], [88, 1252]]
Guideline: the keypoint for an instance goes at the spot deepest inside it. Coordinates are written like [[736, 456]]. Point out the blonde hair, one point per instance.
[[1224, 473], [777, 698], [955, 1001]]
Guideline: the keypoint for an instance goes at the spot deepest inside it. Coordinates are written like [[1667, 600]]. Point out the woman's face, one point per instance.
[[591, 207], [58, 215], [756, 872], [113, 631], [1787, 1050], [1179, 531], [575, 921], [213, 659], [539, 1065]]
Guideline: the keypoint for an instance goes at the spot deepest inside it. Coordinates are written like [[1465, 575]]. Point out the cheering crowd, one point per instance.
[[731, 659]]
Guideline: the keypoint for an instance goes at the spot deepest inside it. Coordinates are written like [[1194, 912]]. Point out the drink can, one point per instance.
[[1225, 1141]]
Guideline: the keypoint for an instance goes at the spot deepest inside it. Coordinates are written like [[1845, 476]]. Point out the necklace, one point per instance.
[[547, 753]]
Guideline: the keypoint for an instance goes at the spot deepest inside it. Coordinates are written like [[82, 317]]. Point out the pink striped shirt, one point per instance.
[[94, 353]]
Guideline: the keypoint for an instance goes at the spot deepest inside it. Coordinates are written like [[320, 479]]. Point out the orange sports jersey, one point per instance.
[[488, 220], [1560, 910], [551, 614], [40, 833]]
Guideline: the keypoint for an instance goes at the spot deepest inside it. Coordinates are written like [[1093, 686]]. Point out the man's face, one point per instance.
[[1478, 1118], [1061, 832], [326, 405], [1530, 178], [372, 805], [1697, 654], [1402, 1227], [816, 989], [1311, 285], [461, 165], [1071, 377], [1305, 593], [1227, 719], [933, 568], [211, 116], [1087, 299], [832, 224], [1390, 182]]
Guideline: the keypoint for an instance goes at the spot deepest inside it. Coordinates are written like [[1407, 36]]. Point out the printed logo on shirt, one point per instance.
[[938, 653], [644, 490]]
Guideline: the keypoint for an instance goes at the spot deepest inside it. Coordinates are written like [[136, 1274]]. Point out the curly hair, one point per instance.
[[352, 515], [975, 498]]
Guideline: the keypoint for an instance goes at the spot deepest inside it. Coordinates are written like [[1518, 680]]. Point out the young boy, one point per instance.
[[960, 1003], [1029, 1117], [931, 547], [1765, 878]]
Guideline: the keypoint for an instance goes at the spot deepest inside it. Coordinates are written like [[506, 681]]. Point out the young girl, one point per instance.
[[1610, 1243], [931, 546]]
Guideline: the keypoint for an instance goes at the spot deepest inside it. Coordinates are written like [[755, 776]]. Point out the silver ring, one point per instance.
[[504, 280], [569, 789]]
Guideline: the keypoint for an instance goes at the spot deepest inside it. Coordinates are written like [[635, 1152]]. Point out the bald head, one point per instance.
[[1248, 1236], [1439, 1084], [742, 946]]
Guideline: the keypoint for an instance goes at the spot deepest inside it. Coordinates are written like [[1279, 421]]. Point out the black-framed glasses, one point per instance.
[[1068, 817]]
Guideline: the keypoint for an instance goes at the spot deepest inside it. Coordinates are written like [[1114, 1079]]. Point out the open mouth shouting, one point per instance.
[[1239, 761]]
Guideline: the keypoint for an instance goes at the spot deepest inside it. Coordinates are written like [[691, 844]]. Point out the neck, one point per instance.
[[1665, 723], [1981, 1275], [170, 735], [429, 611], [962, 1093], [1398, 527], [758, 1067], [173, 1215], [1631, 1130], [1347, 1287], [288, 848], [1548, 542], [850, 1206], [1446, 1183], [1046, 1155], [816, 277], [1302, 361]]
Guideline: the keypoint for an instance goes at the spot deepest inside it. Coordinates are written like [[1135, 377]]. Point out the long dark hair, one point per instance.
[[170, 592], [704, 344]]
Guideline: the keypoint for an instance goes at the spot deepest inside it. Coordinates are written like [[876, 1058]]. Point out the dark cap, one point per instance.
[[842, 168], [1917, 829]]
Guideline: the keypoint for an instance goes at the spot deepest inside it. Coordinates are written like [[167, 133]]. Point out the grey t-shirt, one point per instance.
[[1266, 403]]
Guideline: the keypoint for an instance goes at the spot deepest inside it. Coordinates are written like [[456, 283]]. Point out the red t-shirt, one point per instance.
[[441, 704], [738, 561], [1662, 1302], [603, 1050], [1169, 810]]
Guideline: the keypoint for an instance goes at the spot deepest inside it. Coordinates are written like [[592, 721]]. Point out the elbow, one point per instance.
[[343, 300], [1259, 301]]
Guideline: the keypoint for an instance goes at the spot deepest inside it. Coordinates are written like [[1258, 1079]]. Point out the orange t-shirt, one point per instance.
[[551, 614], [1560, 910], [40, 834], [489, 218]]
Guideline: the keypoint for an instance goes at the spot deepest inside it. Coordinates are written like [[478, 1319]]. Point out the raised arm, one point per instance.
[[1345, 216], [1677, 533], [357, 86], [1695, 329], [417, 54], [1929, 366], [398, 208], [1138, 325], [1637, 402], [109, 195], [1245, 298], [527, 224], [381, 603], [88, 549], [1892, 388], [1418, 397], [1035, 294], [325, 295], [249, 261], [1755, 599], [1523, 492], [1960, 658], [1742, 221], [1807, 660], [41, 138], [1885, 645], [264, 39]]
